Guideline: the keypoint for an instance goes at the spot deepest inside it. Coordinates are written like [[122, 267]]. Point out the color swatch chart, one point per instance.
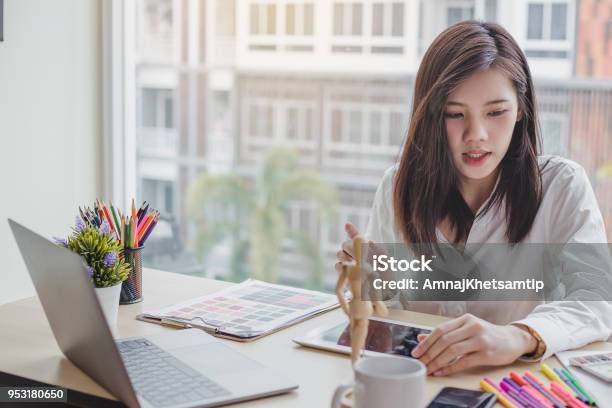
[[250, 308]]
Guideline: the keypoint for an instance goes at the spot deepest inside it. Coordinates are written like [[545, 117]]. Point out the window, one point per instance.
[[388, 19], [224, 12], [490, 10], [535, 22], [356, 15], [338, 19], [262, 19], [397, 25], [198, 112], [375, 128], [159, 194], [549, 30], [155, 29], [558, 27], [156, 108], [547, 21], [459, 10], [355, 127], [299, 19], [347, 18], [378, 18]]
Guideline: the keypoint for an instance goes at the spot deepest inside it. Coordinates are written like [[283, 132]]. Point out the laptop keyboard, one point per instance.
[[163, 379]]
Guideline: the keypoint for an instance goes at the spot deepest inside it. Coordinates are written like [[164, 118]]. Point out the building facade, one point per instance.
[[220, 82]]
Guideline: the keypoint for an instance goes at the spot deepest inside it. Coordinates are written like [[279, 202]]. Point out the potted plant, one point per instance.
[[103, 261]]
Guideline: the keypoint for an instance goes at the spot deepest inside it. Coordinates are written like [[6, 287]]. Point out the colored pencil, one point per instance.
[[548, 372], [569, 399], [529, 389], [536, 395], [151, 227], [152, 223], [142, 211], [575, 391], [145, 226], [516, 396], [141, 221], [532, 401], [486, 386], [108, 217], [122, 238], [128, 240], [517, 378], [134, 221], [535, 383], [115, 218], [576, 384]]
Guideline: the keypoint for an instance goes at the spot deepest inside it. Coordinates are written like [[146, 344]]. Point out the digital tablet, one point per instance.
[[384, 336]]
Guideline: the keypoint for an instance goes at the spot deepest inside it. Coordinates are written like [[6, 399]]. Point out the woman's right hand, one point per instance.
[[345, 254]]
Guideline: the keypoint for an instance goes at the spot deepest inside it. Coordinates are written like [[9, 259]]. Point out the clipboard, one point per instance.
[[246, 311]]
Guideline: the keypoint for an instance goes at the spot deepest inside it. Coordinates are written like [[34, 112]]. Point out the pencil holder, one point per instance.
[[131, 288]]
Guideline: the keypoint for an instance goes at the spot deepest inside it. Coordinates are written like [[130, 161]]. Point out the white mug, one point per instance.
[[384, 382]]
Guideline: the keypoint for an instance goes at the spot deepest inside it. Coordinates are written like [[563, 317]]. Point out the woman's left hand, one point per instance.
[[469, 341]]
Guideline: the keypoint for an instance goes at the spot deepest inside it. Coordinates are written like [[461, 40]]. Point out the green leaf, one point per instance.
[[94, 246], [604, 172], [260, 208], [312, 256]]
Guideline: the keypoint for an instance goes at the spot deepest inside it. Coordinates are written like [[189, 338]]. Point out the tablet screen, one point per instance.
[[383, 337]]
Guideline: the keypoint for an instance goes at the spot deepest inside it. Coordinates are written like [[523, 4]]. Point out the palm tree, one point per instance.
[[254, 215], [604, 171]]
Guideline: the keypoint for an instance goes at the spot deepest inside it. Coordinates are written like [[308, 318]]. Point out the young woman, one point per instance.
[[470, 172]]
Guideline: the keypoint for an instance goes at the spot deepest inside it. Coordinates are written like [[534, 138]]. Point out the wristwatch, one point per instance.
[[540, 347]]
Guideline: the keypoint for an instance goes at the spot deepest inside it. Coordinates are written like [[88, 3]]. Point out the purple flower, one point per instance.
[[105, 228], [60, 241], [109, 259], [90, 271], [80, 224]]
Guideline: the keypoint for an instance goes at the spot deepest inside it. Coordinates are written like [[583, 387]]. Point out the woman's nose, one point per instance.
[[476, 131]]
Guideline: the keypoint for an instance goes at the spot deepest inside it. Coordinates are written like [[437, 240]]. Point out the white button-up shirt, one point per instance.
[[568, 214]]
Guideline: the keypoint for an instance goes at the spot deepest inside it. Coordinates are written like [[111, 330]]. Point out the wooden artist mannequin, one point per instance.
[[359, 311]]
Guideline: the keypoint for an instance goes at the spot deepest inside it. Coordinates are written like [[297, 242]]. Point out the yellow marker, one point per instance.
[[548, 372], [500, 397]]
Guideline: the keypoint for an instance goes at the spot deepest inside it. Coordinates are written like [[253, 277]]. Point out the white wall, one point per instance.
[[50, 122]]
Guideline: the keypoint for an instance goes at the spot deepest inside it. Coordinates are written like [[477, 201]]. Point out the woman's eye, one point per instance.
[[450, 115], [498, 112]]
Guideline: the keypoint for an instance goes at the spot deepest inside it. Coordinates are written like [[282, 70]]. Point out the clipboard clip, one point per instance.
[[174, 322]]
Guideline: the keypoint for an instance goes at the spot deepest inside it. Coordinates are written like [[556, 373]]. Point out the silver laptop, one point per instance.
[[182, 368]]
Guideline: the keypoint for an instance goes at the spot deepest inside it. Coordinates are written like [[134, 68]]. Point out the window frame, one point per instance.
[[467, 7], [119, 103], [546, 43]]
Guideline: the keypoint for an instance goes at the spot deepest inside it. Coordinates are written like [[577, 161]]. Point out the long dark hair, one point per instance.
[[426, 183]]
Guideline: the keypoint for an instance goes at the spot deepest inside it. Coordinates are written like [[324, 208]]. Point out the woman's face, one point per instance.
[[480, 116]]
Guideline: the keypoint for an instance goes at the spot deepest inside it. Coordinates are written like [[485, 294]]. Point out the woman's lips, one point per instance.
[[475, 158]]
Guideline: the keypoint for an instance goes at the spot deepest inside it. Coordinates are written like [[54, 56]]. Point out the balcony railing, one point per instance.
[[157, 141]]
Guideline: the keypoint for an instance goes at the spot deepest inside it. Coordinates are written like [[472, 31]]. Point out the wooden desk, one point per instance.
[[28, 349]]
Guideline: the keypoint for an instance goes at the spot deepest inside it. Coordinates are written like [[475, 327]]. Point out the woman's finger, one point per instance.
[[447, 340], [438, 332], [463, 363], [451, 354]]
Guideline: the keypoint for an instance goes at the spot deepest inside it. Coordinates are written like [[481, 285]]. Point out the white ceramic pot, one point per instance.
[[109, 300]]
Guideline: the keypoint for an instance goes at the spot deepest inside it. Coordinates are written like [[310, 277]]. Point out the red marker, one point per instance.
[[569, 399]]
